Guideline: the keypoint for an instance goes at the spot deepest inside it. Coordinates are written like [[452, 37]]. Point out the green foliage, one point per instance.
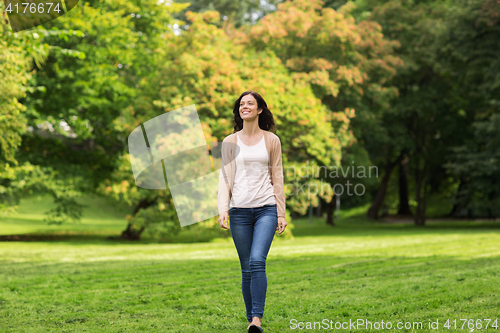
[[332, 52], [472, 61], [442, 86], [18, 52], [19, 181], [239, 13], [74, 114], [476, 163]]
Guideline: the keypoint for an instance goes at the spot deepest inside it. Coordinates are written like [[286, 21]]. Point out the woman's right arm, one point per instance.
[[223, 196], [222, 201]]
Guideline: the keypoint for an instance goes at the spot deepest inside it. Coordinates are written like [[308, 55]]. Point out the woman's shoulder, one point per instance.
[[230, 138], [273, 137]]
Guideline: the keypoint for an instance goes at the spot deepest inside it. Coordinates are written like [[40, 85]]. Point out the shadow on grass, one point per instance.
[[108, 238], [54, 237], [345, 227], [360, 226]]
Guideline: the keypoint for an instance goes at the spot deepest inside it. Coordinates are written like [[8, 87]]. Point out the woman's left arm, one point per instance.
[[278, 187]]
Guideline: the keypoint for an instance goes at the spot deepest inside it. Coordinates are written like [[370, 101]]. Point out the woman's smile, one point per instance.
[[248, 105]]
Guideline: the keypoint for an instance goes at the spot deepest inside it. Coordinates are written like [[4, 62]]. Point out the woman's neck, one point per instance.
[[251, 129]]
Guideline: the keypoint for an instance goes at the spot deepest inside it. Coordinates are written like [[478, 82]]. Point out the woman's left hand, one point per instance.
[[281, 225]]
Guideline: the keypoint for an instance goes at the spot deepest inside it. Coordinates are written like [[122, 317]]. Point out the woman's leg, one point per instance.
[[266, 221], [242, 228]]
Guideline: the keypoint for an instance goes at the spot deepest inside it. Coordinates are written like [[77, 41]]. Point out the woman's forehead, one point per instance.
[[248, 97]]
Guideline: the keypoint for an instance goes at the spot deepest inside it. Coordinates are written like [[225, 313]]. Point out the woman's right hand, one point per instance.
[[224, 220]]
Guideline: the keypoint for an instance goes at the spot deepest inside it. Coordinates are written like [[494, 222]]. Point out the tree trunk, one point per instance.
[[420, 186], [134, 234], [330, 209], [460, 199], [310, 214], [404, 207], [379, 199], [319, 213]]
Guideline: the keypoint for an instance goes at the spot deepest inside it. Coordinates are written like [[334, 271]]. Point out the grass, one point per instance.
[[355, 270], [99, 218]]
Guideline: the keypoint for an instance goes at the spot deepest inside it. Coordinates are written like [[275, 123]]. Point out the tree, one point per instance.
[[74, 115], [422, 122], [472, 61], [19, 52]]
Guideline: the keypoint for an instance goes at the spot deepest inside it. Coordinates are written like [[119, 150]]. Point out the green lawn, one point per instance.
[[356, 270], [99, 218]]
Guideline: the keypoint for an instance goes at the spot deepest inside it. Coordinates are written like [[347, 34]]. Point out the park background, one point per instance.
[[409, 87]]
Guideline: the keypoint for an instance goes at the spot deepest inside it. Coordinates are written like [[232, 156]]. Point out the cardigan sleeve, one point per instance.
[[277, 178], [223, 194]]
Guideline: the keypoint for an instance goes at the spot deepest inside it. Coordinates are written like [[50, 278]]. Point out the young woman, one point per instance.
[[251, 194]]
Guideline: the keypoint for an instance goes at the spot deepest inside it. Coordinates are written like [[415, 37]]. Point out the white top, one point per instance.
[[252, 182]]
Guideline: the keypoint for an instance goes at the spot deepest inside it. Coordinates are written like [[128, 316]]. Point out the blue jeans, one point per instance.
[[253, 231]]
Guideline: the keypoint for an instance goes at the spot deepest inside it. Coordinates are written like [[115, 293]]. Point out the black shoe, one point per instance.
[[255, 329]]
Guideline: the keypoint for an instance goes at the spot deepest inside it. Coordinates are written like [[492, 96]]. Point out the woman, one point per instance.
[[251, 179]]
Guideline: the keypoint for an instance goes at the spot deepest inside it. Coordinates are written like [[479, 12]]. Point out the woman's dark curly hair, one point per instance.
[[266, 120]]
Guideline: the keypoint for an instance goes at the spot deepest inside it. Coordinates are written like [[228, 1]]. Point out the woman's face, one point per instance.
[[248, 108]]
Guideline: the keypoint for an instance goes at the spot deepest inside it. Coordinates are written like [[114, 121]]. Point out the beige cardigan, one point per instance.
[[228, 167]]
